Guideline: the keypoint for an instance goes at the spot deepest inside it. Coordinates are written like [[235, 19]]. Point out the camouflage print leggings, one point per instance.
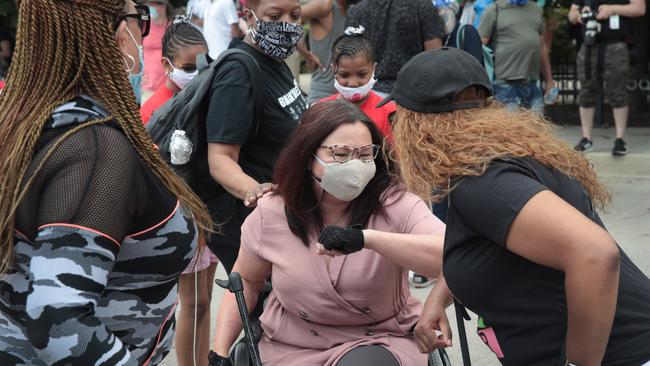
[[614, 73]]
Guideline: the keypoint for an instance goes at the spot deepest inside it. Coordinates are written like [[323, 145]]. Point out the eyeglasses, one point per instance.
[[143, 18], [343, 153]]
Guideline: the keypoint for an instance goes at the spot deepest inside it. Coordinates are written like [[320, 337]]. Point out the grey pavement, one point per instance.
[[628, 220]]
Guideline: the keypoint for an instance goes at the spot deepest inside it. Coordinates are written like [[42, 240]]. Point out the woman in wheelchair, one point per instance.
[[338, 238]]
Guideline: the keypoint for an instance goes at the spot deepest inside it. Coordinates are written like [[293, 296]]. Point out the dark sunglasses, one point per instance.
[[142, 16]]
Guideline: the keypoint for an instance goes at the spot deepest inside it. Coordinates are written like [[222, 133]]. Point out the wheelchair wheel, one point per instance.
[[239, 355], [439, 358]]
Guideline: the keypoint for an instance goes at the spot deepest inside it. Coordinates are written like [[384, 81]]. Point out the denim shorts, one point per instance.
[[520, 93]]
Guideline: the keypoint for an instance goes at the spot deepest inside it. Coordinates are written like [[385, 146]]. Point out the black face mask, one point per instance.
[[277, 40]]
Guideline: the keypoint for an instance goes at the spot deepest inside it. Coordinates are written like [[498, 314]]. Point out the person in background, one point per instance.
[[448, 11], [196, 11], [603, 67], [347, 305], [468, 39], [515, 32], [525, 248], [326, 23], [7, 44], [220, 26], [95, 228], [398, 30], [181, 43], [353, 64], [161, 12]]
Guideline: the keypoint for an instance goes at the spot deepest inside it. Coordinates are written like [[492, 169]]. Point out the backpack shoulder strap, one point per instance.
[[461, 312], [254, 71], [494, 26], [203, 61], [460, 36], [461, 315]]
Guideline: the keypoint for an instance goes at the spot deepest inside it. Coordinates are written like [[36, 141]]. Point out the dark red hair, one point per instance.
[[294, 178]]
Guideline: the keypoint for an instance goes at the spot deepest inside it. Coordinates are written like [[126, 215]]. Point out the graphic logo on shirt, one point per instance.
[[288, 100], [489, 337]]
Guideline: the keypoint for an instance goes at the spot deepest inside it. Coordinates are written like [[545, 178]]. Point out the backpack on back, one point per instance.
[[488, 50], [178, 126], [466, 38]]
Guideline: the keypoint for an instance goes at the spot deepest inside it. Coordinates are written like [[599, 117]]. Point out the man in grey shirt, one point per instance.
[[514, 30]]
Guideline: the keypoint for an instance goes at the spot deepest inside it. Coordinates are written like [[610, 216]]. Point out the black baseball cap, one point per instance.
[[431, 79]]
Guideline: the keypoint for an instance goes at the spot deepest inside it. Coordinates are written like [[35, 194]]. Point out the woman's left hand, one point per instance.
[[257, 192]]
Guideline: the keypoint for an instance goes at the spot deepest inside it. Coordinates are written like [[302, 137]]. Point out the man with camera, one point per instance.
[[603, 62]]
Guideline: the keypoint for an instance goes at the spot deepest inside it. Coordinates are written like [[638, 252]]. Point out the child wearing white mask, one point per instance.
[[354, 64], [181, 43]]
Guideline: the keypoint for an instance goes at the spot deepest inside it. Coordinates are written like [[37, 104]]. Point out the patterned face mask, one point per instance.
[[277, 40]]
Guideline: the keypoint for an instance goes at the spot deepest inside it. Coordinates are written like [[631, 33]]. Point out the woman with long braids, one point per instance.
[[524, 247], [94, 227]]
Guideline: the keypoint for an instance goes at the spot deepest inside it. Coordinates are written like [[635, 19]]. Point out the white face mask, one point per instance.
[[180, 77], [346, 181], [355, 94]]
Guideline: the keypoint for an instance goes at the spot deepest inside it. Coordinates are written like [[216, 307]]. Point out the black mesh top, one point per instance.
[[99, 247], [95, 168]]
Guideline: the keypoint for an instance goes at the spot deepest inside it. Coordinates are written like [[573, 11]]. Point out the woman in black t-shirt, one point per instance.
[[242, 146], [524, 248]]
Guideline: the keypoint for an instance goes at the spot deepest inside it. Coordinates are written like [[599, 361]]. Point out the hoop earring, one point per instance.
[[129, 68]]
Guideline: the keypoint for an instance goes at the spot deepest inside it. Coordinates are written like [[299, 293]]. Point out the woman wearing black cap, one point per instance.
[[524, 247]]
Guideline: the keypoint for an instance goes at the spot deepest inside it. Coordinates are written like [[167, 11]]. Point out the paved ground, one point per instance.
[[628, 219]]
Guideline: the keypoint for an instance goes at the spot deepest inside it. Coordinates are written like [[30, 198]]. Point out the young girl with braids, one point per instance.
[[181, 43], [95, 229], [353, 62]]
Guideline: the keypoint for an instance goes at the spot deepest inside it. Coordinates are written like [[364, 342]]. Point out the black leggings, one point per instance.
[[374, 355], [227, 254]]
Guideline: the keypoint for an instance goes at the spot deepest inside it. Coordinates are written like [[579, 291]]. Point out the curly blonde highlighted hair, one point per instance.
[[65, 48], [434, 148]]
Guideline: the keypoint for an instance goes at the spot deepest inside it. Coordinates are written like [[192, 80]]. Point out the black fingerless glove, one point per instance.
[[215, 360], [344, 239]]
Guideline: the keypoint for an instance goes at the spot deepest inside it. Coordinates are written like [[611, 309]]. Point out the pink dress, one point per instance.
[[316, 314], [154, 74]]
